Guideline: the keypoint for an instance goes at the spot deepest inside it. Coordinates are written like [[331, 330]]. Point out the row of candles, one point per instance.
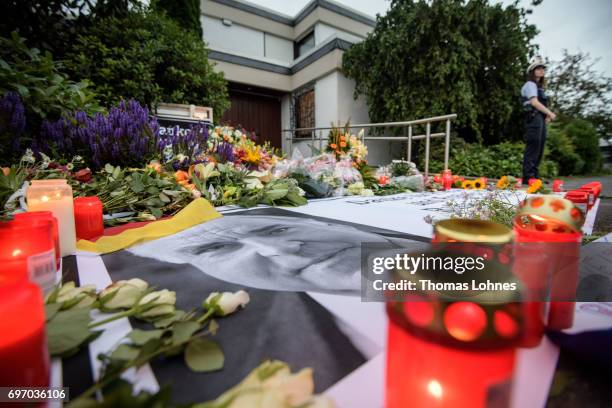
[[458, 353], [31, 248]]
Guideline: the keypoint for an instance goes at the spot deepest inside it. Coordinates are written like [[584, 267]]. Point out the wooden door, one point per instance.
[[256, 111]]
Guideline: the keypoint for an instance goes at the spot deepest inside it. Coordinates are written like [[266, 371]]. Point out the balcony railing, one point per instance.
[[402, 131]]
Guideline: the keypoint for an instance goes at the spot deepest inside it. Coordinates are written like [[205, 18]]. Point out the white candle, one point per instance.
[[56, 196]]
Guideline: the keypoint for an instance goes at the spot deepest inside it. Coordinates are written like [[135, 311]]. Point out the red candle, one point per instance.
[[531, 181], [24, 358], [590, 194], [88, 217], [558, 186], [579, 198], [555, 224], [447, 179], [596, 186], [33, 216], [450, 354], [446, 353], [27, 251]]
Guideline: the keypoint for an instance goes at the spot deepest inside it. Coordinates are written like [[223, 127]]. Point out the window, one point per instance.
[[305, 111], [304, 45]]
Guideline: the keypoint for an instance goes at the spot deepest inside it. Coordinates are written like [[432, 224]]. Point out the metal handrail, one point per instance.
[[407, 125]]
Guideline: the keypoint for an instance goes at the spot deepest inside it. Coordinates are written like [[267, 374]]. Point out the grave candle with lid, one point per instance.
[[56, 196], [455, 348]]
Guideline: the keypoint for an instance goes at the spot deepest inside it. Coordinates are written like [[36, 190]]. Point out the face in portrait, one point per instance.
[[270, 252]]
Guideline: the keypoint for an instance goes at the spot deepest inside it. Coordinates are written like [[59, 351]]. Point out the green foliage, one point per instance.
[[577, 90], [584, 136], [46, 92], [51, 25], [548, 169], [148, 57], [185, 12], [474, 159], [560, 148], [449, 56]]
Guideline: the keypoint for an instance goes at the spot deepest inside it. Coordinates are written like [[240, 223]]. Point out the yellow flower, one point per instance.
[[479, 184], [534, 187], [467, 184], [503, 183]]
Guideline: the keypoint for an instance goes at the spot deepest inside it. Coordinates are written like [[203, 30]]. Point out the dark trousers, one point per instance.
[[535, 138]]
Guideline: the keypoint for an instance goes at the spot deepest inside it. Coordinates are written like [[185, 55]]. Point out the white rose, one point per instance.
[[226, 303], [72, 296], [122, 294], [156, 304]]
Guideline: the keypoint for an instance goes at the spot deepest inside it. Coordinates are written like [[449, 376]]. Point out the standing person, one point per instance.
[[537, 115]]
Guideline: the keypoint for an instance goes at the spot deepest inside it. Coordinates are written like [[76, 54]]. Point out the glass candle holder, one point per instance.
[[34, 216], [550, 226], [56, 196], [447, 352], [580, 199], [27, 251], [24, 355], [88, 217], [447, 179]]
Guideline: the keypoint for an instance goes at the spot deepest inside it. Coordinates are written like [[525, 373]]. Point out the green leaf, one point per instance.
[[164, 198], [140, 337], [167, 321], [51, 310], [276, 194], [68, 330], [204, 355], [125, 352], [182, 331]]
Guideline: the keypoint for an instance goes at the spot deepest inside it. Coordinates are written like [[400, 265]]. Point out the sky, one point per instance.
[[577, 25]]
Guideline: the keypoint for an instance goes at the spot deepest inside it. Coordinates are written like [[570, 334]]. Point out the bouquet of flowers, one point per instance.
[[342, 144]]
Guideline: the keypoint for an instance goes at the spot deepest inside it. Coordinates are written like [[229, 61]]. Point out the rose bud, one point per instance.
[[226, 303], [122, 294], [156, 304], [71, 296]]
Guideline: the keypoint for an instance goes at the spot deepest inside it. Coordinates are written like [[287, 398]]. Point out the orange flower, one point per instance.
[[6, 171], [154, 166], [534, 187], [333, 146], [181, 175], [342, 144], [342, 139]]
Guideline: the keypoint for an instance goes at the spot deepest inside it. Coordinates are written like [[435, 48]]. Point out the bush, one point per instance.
[[148, 57], [32, 89], [586, 141], [560, 149], [473, 159]]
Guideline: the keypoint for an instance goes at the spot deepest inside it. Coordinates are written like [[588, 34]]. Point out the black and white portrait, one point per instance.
[[263, 250]]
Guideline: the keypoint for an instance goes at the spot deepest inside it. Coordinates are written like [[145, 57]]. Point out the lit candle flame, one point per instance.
[[435, 389], [17, 252], [44, 199]]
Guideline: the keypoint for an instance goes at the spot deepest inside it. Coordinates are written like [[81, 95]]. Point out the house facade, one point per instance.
[[285, 72]]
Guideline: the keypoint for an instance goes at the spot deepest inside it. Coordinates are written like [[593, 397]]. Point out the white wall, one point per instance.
[[234, 38], [278, 48], [324, 31]]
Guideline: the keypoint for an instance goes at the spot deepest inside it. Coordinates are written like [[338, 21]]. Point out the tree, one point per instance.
[[185, 12], [578, 91], [428, 58], [148, 57]]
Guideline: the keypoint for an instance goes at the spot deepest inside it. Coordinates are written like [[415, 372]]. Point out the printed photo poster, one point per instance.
[[303, 275]]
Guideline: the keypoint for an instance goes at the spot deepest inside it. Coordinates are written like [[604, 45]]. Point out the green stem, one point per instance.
[[126, 313], [205, 316], [138, 362]]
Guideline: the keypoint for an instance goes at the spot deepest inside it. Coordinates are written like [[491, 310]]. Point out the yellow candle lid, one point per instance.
[[466, 230]]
